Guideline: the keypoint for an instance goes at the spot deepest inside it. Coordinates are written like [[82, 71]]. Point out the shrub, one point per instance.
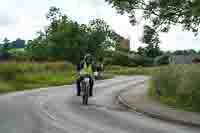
[[18, 54], [131, 60], [120, 70], [120, 59], [161, 60], [142, 60]]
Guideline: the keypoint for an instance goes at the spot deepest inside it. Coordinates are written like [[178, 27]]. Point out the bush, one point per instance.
[[142, 60], [161, 60], [131, 60], [119, 70], [18, 54], [121, 59]]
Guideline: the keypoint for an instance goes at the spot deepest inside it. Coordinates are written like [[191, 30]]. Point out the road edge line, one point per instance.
[[119, 99]]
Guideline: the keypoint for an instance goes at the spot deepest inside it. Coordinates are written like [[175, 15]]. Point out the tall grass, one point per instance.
[[17, 76], [179, 86]]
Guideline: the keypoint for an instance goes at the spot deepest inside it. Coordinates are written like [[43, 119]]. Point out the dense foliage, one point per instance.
[[65, 39], [151, 51], [161, 15], [196, 7], [162, 60], [6, 46]]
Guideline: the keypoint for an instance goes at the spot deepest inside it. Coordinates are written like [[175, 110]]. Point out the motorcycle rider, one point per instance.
[[100, 65], [85, 67]]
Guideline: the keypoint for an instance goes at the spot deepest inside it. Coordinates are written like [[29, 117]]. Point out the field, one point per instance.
[[18, 76], [30, 75]]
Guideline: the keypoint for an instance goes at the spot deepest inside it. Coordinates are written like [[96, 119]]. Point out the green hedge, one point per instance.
[[161, 60], [131, 61], [121, 70]]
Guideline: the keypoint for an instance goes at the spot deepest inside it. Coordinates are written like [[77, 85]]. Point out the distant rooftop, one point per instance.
[[182, 59]]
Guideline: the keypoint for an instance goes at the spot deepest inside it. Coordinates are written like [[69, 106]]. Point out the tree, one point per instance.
[[161, 14], [100, 37], [64, 39], [141, 51], [185, 52], [152, 51], [53, 14], [5, 48], [191, 52], [150, 36], [61, 39], [196, 8], [162, 60], [37, 49], [6, 45]]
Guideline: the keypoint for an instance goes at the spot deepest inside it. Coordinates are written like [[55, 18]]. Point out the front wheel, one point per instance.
[[85, 95], [85, 100]]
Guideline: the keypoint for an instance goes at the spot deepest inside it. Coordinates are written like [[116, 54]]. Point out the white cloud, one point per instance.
[[6, 20]]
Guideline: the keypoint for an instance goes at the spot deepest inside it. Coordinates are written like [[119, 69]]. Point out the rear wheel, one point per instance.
[[85, 100]]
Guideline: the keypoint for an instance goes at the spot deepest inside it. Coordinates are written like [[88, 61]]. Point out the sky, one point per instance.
[[23, 18]]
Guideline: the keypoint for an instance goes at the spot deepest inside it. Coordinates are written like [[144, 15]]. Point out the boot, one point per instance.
[[78, 86], [91, 92]]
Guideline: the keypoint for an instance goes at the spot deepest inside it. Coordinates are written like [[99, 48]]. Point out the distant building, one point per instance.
[[184, 59], [18, 43], [125, 43]]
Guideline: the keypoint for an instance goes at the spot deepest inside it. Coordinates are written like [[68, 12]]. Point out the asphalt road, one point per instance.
[[58, 110]]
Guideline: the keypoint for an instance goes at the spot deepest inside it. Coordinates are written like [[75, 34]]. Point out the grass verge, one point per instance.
[[177, 86]]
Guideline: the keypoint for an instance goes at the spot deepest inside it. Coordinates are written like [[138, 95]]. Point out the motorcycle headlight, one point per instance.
[[87, 79]]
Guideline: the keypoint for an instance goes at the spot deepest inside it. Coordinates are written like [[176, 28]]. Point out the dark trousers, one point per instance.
[[78, 84]]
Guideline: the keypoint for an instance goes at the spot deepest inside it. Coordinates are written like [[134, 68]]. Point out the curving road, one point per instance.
[[57, 110]]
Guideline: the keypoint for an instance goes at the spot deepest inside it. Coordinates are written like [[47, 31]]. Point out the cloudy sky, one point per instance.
[[23, 18]]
